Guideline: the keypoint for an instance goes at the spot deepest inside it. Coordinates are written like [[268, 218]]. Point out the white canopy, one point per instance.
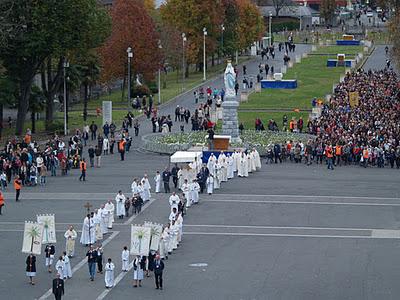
[[186, 157]]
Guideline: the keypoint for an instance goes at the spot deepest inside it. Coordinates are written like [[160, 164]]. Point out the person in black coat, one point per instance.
[[58, 287], [31, 267], [166, 175], [158, 272]]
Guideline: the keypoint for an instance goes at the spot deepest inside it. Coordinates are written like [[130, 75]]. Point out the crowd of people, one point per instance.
[[365, 133]]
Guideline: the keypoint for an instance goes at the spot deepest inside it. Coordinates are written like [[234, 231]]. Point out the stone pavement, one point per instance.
[[287, 232]]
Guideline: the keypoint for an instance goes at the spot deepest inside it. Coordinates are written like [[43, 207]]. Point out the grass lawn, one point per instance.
[[248, 118], [352, 50], [314, 80]]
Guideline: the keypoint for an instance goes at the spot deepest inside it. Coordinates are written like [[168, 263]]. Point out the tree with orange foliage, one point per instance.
[[190, 17], [132, 26], [250, 26]]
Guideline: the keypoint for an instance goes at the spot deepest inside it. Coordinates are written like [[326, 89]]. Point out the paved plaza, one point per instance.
[[287, 232]]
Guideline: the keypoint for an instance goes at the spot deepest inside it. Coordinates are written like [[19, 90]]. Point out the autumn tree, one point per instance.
[[49, 28], [250, 27], [132, 26], [190, 17]]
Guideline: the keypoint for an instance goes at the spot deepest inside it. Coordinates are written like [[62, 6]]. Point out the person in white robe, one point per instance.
[[224, 170], [236, 159], [138, 273], [110, 209], [174, 201], [134, 186], [179, 222], [60, 267], [217, 176], [249, 169], [194, 191], [221, 157], [172, 215], [125, 259], [168, 242], [253, 161], [163, 246], [174, 231], [109, 276], [186, 192], [140, 190], [103, 213], [88, 231], [257, 158], [120, 199], [210, 184], [242, 166], [67, 272], [70, 237], [106, 146], [97, 225], [245, 165], [146, 188], [230, 173], [211, 162], [157, 181]]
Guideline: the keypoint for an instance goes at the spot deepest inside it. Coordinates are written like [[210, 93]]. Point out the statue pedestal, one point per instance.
[[230, 125]]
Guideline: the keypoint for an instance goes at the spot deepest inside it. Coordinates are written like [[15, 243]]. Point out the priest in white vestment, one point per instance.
[[110, 209], [125, 259], [120, 200], [194, 191], [70, 237], [186, 192], [157, 181], [230, 170], [109, 276], [88, 231], [211, 163], [210, 184], [146, 188]]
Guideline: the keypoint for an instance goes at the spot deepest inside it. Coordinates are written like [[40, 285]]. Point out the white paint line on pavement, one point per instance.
[[304, 202], [382, 236], [282, 227], [21, 230], [309, 196], [116, 281], [81, 264]]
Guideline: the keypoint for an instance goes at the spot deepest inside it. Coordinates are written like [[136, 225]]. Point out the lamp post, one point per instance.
[[65, 65], [222, 39], [159, 76], [204, 54], [130, 56], [270, 29], [183, 60]]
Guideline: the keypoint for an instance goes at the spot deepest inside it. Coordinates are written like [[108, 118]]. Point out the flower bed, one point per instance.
[[172, 142]]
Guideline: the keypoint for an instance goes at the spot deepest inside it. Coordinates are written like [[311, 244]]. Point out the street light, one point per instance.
[[130, 56], [222, 39], [270, 29], [159, 76], [183, 60], [204, 53], [65, 65]]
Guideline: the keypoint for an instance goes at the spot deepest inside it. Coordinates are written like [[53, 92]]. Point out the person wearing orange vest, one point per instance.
[[338, 154], [1, 201], [365, 156], [17, 187], [82, 166], [121, 148], [329, 156]]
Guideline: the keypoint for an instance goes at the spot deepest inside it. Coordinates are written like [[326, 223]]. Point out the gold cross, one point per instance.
[[88, 206]]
